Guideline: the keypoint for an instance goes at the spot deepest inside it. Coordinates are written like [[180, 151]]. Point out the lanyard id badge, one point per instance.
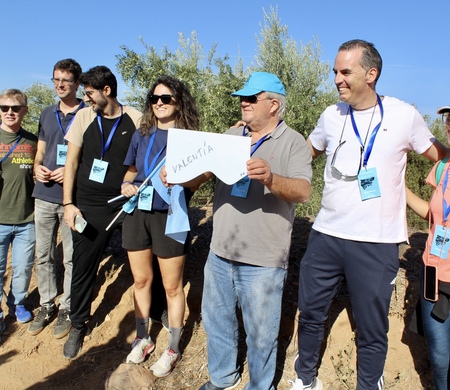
[[61, 154], [146, 198], [98, 171], [240, 189], [369, 187], [441, 242]]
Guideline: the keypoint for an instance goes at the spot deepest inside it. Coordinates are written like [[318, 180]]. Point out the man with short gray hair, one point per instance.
[[248, 260]]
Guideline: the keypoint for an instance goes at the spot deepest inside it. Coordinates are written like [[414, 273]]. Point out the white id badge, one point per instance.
[[146, 198], [98, 171], [368, 184], [61, 153], [240, 189], [441, 242]]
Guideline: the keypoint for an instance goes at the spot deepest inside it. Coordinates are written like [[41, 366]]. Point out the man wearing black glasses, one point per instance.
[[54, 123], [356, 234], [17, 151], [252, 225], [98, 141]]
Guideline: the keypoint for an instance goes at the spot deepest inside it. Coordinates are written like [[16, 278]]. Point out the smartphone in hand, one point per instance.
[[80, 223]]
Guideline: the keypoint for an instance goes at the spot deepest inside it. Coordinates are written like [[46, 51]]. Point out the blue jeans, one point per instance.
[[48, 217], [437, 334], [258, 292], [22, 239]]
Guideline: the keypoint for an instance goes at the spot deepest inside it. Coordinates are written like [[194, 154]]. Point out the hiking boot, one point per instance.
[[42, 319], [140, 348], [23, 315], [74, 343], [298, 385], [166, 363], [210, 386], [63, 324], [164, 320]]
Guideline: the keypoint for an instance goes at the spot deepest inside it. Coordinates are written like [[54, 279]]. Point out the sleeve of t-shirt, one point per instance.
[[317, 137], [130, 159], [299, 166], [79, 125], [421, 137], [134, 114], [41, 131]]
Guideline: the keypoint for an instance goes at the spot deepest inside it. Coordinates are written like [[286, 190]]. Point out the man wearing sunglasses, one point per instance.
[[252, 225], [54, 123], [356, 234], [98, 141], [17, 151]]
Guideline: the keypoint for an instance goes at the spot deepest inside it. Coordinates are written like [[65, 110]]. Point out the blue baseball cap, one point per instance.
[[261, 82]]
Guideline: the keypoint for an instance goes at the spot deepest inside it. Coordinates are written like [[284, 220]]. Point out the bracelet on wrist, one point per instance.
[[126, 181], [67, 204]]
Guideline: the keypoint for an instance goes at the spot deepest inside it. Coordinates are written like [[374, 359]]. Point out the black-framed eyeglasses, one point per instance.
[[89, 93], [62, 81], [337, 174], [166, 99], [15, 109], [252, 99]]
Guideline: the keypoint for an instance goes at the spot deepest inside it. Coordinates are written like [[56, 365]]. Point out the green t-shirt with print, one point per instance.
[[16, 182]]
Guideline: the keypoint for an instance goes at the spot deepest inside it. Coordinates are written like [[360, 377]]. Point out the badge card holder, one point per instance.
[[98, 171], [61, 154], [441, 242], [368, 184], [240, 189], [146, 198]]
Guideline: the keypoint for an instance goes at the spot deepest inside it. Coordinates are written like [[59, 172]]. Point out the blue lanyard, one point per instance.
[[260, 141], [445, 207], [111, 135], [149, 168], [58, 119], [373, 135], [13, 147]]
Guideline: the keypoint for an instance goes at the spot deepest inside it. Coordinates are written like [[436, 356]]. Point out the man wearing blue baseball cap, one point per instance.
[[247, 264]]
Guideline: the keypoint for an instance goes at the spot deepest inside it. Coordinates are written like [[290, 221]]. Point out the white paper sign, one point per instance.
[[191, 153]]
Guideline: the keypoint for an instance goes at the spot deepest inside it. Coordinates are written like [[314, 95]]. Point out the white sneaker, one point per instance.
[[140, 349], [166, 363], [298, 385]]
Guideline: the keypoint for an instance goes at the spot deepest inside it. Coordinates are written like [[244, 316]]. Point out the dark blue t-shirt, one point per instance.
[[51, 134]]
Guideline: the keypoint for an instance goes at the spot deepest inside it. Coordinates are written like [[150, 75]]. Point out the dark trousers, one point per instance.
[[369, 270], [88, 249]]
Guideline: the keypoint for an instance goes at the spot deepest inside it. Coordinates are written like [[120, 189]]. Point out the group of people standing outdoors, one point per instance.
[[84, 156]]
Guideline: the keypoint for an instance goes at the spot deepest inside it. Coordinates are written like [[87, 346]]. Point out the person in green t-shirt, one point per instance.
[[17, 151]]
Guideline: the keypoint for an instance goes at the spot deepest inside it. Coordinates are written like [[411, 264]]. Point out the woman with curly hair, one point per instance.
[[169, 104]]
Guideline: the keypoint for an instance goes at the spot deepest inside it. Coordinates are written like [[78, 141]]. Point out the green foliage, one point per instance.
[[39, 96], [305, 77]]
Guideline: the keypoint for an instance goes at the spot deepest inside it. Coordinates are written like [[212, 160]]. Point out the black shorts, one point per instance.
[[145, 230]]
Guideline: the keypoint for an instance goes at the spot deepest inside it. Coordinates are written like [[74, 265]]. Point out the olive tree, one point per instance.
[[39, 96]]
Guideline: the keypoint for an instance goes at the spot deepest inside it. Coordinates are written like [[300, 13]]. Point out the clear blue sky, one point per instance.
[[410, 35]]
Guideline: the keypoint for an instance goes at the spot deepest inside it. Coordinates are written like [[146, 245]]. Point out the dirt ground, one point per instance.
[[36, 362]]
